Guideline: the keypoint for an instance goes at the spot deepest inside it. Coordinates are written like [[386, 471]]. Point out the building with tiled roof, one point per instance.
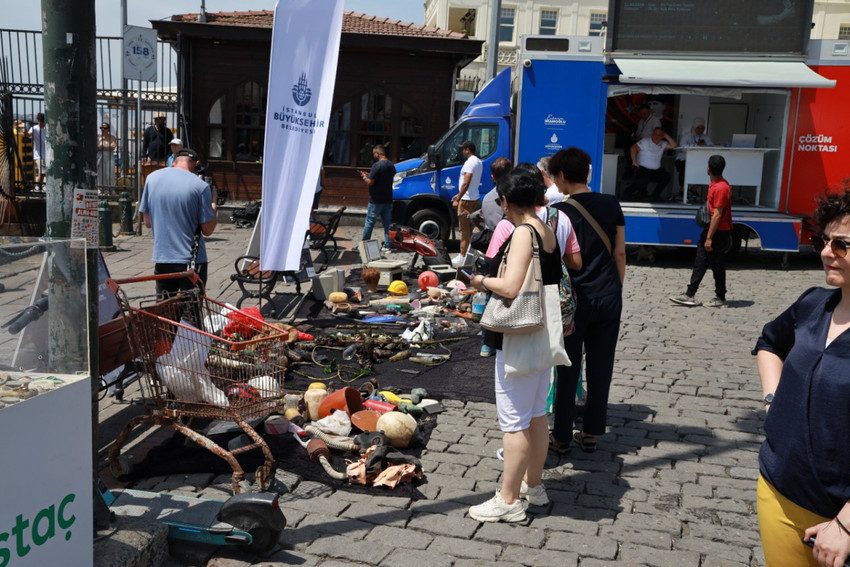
[[352, 22], [394, 86]]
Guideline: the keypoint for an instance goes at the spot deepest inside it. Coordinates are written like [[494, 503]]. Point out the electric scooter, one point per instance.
[[253, 521]]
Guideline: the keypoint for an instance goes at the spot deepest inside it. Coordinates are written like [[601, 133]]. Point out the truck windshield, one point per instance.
[[485, 136]]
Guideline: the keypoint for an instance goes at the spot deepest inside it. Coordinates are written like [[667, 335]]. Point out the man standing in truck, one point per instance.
[[646, 160], [467, 199]]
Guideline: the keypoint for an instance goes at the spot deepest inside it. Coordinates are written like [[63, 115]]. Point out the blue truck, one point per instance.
[[567, 91]]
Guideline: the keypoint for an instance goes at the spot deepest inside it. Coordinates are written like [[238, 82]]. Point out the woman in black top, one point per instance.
[[598, 288], [520, 400]]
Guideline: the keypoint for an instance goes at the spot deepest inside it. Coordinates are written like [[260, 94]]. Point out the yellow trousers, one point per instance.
[[781, 524]]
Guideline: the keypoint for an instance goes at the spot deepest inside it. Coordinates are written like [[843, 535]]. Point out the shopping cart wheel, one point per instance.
[[264, 478], [264, 536], [120, 466]]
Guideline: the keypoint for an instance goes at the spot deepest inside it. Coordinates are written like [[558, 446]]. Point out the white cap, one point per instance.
[[176, 141]]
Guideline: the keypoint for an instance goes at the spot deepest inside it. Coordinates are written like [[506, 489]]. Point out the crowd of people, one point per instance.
[[546, 213], [159, 147], [566, 239]]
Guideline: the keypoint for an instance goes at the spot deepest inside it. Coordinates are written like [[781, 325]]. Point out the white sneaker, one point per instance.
[[496, 510], [535, 496], [458, 260]]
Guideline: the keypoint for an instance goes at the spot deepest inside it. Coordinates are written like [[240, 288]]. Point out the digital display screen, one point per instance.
[[718, 26]]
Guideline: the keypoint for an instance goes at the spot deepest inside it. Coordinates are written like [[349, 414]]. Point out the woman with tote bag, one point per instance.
[[520, 399]]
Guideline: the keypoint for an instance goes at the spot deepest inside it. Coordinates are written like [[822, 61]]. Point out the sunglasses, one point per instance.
[[104, 127], [839, 247]]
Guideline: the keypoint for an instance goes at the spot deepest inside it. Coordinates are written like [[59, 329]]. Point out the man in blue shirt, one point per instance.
[[178, 207]]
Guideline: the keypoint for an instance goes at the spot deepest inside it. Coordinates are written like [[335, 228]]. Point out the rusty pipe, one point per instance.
[[332, 442]]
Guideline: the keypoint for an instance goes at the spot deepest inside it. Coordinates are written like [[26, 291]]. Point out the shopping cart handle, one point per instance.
[[191, 275]]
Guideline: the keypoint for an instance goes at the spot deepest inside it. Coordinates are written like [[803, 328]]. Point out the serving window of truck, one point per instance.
[[729, 65]]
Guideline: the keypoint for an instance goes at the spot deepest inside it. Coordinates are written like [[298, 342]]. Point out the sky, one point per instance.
[[26, 15]]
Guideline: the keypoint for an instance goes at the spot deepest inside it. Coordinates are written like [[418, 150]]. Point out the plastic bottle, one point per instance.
[[349, 352], [479, 302]]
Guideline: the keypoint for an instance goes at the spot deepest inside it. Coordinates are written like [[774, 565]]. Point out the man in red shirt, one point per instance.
[[715, 240]]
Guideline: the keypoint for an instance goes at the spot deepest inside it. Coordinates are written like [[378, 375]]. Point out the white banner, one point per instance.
[[305, 49]]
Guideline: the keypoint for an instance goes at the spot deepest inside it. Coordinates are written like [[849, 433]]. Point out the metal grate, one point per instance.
[[22, 76]]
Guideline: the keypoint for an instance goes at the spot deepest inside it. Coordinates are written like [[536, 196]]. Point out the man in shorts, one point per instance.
[[467, 199]]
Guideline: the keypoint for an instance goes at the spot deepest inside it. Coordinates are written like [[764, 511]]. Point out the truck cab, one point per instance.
[[423, 187]]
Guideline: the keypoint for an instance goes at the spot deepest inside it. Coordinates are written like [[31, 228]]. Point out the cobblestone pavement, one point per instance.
[[672, 483]]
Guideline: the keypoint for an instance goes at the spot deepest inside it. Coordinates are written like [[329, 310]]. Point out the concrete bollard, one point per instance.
[[125, 205]]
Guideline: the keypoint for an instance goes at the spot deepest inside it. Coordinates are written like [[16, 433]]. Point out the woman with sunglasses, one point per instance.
[[804, 364], [520, 400], [106, 146]]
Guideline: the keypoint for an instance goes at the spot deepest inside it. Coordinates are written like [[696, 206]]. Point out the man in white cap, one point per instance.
[[696, 137], [176, 145]]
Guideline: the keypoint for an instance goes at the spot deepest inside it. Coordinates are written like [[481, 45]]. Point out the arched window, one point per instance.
[[250, 117], [370, 118], [217, 128], [236, 131]]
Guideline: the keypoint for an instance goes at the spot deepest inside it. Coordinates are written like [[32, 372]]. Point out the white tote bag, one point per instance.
[[525, 353]]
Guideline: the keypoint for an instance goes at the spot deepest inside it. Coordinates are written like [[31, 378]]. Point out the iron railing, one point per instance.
[[22, 77]]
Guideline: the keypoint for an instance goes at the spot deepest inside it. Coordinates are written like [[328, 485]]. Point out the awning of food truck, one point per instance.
[[720, 73]]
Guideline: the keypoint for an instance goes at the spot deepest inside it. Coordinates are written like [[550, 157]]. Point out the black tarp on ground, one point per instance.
[[179, 456], [466, 377]]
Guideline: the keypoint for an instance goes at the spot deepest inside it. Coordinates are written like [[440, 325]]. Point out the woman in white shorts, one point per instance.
[[520, 400]]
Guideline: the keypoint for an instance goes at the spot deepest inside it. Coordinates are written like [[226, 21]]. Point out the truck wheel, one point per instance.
[[739, 233], [430, 223]]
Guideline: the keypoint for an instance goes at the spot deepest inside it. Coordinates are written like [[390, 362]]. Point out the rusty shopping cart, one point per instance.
[[203, 360]]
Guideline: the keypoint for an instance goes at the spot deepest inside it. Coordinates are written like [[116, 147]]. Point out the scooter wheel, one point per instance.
[[264, 537], [120, 466]]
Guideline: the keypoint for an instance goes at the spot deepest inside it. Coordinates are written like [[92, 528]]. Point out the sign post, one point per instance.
[[140, 58]]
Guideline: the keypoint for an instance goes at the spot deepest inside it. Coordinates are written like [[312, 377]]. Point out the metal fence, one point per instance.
[[22, 95]]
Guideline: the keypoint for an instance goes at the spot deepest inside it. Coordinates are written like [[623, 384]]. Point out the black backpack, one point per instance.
[[246, 216]]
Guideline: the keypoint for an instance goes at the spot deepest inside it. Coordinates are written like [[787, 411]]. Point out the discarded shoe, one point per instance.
[[585, 442]]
